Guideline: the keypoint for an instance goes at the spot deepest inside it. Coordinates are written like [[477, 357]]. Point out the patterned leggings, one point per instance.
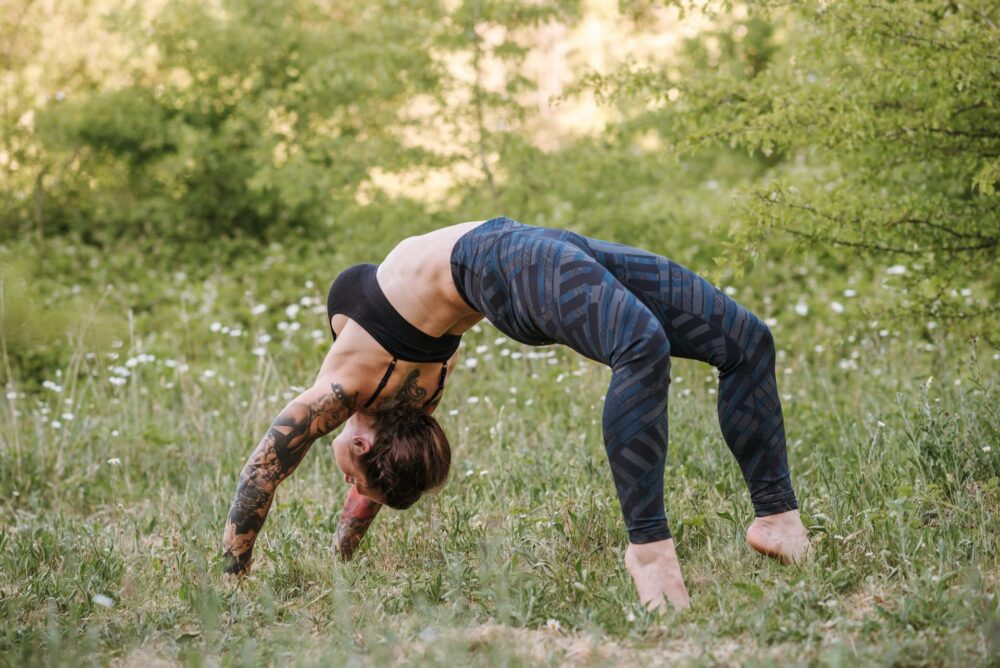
[[632, 309]]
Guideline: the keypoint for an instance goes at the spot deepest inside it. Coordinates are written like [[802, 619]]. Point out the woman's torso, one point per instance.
[[417, 281]]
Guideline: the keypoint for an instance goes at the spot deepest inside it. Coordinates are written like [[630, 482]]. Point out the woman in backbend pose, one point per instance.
[[396, 330]]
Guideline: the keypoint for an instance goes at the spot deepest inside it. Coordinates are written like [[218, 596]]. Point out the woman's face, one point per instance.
[[354, 440]]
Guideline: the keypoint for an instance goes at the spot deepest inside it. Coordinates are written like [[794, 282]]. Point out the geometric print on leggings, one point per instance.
[[632, 310]]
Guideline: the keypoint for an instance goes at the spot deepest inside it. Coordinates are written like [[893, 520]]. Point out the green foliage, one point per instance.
[[40, 323], [224, 136], [263, 122], [882, 119]]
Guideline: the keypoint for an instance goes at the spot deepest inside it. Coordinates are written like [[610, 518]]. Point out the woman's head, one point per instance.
[[393, 455]]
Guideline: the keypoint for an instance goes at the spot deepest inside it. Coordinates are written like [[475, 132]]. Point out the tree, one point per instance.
[[883, 123]]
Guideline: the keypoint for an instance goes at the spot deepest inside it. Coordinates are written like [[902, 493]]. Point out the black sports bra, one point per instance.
[[356, 293]]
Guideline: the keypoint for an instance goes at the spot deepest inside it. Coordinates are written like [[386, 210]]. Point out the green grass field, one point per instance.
[[118, 472]]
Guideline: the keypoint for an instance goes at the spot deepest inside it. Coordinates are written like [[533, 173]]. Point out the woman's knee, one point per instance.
[[650, 349], [763, 337]]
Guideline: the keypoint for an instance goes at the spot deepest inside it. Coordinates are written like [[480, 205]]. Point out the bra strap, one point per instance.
[[440, 387], [382, 383]]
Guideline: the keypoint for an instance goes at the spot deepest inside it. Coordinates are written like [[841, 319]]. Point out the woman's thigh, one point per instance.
[[559, 293], [701, 321]]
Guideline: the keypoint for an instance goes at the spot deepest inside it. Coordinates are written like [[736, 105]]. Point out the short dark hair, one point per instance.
[[410, 455]]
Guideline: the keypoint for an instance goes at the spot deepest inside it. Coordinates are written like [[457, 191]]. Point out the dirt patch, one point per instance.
[[555, 647], [145, 657]]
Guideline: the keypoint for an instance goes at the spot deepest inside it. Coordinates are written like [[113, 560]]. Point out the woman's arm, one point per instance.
[[314, 413]]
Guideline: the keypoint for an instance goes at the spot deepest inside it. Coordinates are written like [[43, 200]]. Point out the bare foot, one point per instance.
[[657, 574], [781, 536]]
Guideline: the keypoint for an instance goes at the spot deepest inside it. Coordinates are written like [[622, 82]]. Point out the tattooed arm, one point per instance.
[[314, 413]]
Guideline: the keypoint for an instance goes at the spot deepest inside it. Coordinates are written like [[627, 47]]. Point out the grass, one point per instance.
[[114, 492]]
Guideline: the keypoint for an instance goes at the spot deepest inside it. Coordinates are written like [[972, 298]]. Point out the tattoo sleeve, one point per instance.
[[358, 514], [313, 414]]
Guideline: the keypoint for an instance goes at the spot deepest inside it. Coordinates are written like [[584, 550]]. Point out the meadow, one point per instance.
[[120, 465], [180, 182]]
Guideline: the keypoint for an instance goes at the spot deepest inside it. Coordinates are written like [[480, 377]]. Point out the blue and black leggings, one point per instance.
[[632, 310]]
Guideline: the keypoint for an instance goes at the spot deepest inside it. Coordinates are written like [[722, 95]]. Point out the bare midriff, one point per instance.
[[416, 279]]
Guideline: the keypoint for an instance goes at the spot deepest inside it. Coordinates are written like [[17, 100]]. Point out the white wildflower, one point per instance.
[[291, 311], [12, 396], [481, 349], [516, 356], [55, 387], [316, 334], [836, 307], [771, 322], [896, 270], [56, 424], [215, 326], [471, 363], [966, 292], [103, 601], [987, 448], [553, 625], [802, 308], [258, 309], [263, 338], [453, 412], [483, 472], [500, 340], [880, 424], [259, 352], [505, 352], [209, 373], [472, 400], [68, 417], [114, 461], [729, 290], [850, 292], [117, 380]]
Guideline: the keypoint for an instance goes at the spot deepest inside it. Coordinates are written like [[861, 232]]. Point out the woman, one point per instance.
[[397, 328]]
